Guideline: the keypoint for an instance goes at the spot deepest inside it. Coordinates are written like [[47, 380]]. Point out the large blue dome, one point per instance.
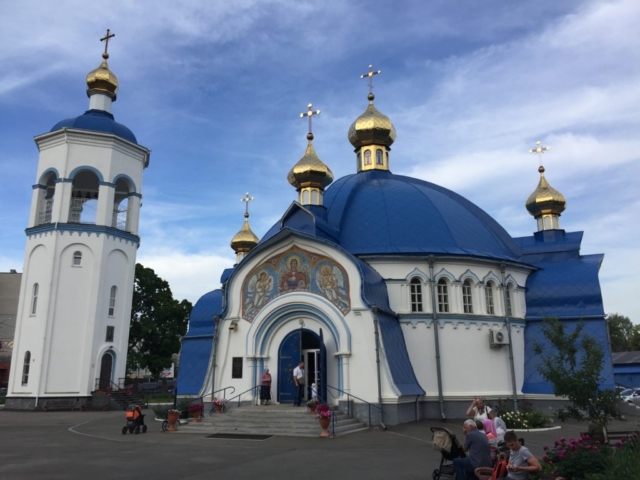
[[97, 121], [377, 212]]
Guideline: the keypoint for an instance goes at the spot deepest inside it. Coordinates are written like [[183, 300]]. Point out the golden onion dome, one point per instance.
[[545, 199], [102, 80], [245, 240], [310, 171], [372, 127]]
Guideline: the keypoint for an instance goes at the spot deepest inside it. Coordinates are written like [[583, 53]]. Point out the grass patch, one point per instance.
[[158, 397]]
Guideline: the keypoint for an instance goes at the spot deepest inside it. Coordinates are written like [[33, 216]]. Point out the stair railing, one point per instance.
[[224, 396], [349, 396], [239, 396]]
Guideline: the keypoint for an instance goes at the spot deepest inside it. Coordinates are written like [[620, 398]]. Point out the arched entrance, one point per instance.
[[307, 346], [106, 369]]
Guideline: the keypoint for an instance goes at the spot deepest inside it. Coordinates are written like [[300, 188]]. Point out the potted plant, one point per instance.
[[196, 410], [219, 403], [172, 418], [312, 405], [324, 414]]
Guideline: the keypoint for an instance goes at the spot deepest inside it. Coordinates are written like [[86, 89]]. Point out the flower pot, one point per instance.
[[218, 408], [312, 409], [172, 417], [324, 424], [196, 416]]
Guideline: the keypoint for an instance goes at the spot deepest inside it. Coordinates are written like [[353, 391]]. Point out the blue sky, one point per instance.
[[214, 89]]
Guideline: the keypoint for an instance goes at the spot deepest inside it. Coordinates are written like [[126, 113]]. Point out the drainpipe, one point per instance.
[[216, 322], [508, 321], [377, 334], [434, 308]]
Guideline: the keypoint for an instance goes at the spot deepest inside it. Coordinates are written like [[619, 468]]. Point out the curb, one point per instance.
[[557, 427]]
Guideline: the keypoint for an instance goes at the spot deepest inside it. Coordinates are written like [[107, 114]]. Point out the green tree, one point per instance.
[[573, 365], [622, 333], [157, 322]]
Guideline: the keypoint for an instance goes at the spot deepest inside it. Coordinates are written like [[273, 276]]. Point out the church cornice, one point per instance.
[[82, 229]]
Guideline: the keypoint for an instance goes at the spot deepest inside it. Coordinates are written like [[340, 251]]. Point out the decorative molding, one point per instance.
[[38, 186], [107, 184], [132, 184], [492, 277], [81, 229], [416, 272], [469, 275], [81, 168], [444, 273]]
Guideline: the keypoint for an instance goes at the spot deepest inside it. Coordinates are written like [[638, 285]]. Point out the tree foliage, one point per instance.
[[573, 365], [157, 322], [623, 334]]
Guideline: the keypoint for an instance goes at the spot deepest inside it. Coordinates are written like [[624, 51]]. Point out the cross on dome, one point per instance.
[[105, 39], [539, 149], [247, 199], [370, 75], [309, 114]]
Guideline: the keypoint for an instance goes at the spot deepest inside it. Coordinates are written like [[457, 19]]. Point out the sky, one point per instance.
[[215, 90]]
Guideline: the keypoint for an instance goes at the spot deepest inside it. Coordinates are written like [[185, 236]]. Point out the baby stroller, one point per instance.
[[135, 421], [447, 444]]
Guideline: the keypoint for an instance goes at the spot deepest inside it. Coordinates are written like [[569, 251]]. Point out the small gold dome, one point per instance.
[[245, 240], [102, 80], [310, 171], [545, 199], [372, 127]]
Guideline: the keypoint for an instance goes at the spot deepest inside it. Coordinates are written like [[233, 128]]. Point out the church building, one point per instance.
[[392, 290]]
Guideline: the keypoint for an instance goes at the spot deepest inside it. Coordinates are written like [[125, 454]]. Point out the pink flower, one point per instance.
[[545, 458], [545, 448]]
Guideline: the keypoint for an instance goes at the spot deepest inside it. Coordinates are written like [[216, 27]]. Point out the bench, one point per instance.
[[60, 404]]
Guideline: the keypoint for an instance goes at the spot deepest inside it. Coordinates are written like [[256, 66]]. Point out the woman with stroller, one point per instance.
[[265, 388], [478, 409]]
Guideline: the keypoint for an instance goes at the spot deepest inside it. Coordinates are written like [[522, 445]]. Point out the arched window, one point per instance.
[[112, 300], [488, 296], [443, 296], [467, 300], [378, 157], [84, 198], [121, 204], [25, 368], [45, 198], [509, 310], [77, 259], [34, 299], [416, 295]]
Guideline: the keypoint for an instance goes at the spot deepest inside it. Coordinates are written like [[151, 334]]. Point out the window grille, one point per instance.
[[416, 295], [25, 368], [488, 295], [112, 300], [443, 296], [34, 299], [467, 300]]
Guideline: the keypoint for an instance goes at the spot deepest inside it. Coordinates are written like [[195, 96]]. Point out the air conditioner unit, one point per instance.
[[497, 339]]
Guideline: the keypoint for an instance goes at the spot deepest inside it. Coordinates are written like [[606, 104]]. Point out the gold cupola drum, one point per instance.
[[102, 80], [310, 176], [545, 203], [372, 134], [245, 240]]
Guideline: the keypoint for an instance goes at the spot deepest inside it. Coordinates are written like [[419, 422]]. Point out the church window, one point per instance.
[[488, 296], [83, 206], [25, 368], [34, 299], [367, 157], [112, 300], [77, 259], [467, 300], [443, 296], [509, 312], [110, 333], [379, 157], [45, 198], [359, 166], [236, 367], [416, 295]]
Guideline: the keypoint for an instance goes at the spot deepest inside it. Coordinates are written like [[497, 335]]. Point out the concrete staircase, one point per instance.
[[281, 420]]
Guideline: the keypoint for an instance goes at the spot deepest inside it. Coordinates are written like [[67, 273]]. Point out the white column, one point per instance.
[[133, 214], [104, 215]]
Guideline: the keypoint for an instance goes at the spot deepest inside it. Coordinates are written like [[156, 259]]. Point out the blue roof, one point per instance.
[[378, 212], [197, 344], [97, 121]]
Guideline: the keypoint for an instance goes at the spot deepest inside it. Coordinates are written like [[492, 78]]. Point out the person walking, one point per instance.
[[477, 447], [265, 388], [298, 378]]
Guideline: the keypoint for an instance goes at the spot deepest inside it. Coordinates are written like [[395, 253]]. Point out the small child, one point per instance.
[[314, 392]]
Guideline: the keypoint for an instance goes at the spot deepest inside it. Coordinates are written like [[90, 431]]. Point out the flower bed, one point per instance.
[[526, 420]]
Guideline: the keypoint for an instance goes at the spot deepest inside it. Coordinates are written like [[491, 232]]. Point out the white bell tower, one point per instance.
[[72, 327]]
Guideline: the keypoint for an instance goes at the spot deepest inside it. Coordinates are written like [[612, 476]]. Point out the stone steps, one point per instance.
[[270, 420]]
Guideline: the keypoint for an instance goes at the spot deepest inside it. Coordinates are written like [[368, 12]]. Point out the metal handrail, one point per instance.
[[224, 393], [242, 393], [358, 398]]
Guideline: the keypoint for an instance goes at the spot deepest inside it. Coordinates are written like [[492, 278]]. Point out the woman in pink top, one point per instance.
[[265, 388]]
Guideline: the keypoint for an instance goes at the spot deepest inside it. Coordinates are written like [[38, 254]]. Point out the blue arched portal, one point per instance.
[[307, 346]]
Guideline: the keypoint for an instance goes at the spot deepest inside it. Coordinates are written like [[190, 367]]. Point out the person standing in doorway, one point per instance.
[[265, 387], [298, 378]]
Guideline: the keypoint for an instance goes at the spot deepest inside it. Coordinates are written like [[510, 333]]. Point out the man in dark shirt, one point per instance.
[[478, 453]]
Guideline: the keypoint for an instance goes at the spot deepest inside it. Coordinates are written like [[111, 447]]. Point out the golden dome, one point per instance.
[[372, 127], [245, 240], [102, 80], [310, 171], [545, 199]]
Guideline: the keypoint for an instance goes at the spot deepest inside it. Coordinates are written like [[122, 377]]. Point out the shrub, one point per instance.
[[577, 458], [625, 464], [526, 420]]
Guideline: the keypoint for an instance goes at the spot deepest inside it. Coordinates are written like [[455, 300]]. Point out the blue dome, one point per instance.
[[378, 212], [97, 121]]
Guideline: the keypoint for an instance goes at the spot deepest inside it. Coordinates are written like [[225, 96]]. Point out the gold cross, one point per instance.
[[370, 75], [539, 149], [105, 39], [247, 199], [310, 113]]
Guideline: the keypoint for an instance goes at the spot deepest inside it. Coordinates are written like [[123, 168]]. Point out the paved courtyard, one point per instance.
[[70, 445]]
